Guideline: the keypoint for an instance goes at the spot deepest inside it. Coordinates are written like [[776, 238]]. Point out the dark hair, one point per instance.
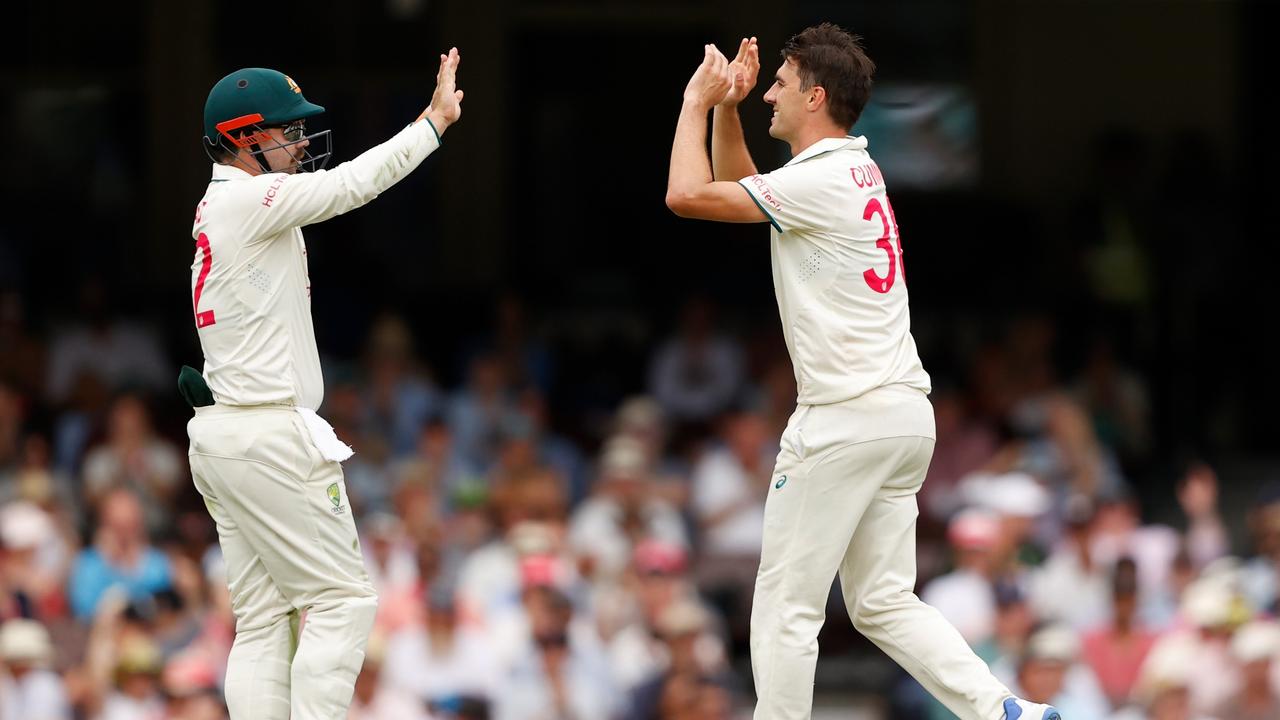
[[829, 56]]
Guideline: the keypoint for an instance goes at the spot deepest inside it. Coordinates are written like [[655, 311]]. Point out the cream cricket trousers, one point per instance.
[[838, 506], [289, 544]]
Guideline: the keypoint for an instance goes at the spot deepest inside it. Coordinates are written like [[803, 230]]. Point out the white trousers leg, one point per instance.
[[288, 547], [849, 508]]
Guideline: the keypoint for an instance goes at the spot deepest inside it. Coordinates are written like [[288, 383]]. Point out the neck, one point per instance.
[[814, 133]]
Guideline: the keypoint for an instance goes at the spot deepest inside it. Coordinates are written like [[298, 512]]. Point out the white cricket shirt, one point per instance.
[[251, 293], [837, 273]]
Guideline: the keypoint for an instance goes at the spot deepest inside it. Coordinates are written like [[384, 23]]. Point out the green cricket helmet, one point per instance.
[[243, 104]]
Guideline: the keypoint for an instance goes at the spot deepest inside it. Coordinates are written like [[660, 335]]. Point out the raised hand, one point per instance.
[[744, 70], [446, 101], [711, 82]]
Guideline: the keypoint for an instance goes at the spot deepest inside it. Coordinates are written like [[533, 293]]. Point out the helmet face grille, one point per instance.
[[314, 157], [312, 162]]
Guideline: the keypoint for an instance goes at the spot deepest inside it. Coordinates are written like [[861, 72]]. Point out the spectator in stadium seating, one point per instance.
[[375, 699], [115, 352], [1117, 650], [551, 449], [966, 595], [390, 560], [136, 458], [477, 412], [1206, 535], [191, 690], [640, 418], [121, 556], [29, 688], [1256, 648], [630, 614], [698, 373], [621, 512], [1073, 584], [1210, 611], [34, 559], [398, 394], [136, 692], [729, 486], [440, 660], [1058, 445], [1020, 501], [559, 673], [1118, 531], [36, 480], [1117, 401], [530, 511], [1163, 688], [1260, 579], [965, 443], [1049, 672], [452, 474]]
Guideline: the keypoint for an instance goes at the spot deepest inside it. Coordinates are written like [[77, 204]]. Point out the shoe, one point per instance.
[[1015, 709]]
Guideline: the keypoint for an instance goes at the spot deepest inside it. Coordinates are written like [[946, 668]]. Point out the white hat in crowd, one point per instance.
[[1256, 641], [24, 526], [1053, 643], [1167, 667], [1014, 494], [623, 457], [25, 641]]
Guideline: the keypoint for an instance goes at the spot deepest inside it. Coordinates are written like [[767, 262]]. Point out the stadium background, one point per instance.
[[1086, 230]]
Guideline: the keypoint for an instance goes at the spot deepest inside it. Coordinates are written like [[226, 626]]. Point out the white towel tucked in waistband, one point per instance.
[[323, 436]]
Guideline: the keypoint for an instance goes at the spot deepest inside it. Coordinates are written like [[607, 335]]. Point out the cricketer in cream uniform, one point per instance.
[[855, 452], [267, 465]]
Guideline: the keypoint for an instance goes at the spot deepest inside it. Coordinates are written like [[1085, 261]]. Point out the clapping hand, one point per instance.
[[711, 82], [744, 70]]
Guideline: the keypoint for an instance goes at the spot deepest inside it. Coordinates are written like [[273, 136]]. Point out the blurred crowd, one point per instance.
[[533, 568]]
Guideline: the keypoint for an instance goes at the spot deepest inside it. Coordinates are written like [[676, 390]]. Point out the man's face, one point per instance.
[[788, 102], [1042, 680], [284, 159]]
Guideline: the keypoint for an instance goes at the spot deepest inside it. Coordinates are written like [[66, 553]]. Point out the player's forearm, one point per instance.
[[690, 168], [303, 199], [730, 159]]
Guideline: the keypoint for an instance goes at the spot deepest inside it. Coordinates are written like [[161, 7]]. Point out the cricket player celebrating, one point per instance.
[[266, 464], [854, 454]]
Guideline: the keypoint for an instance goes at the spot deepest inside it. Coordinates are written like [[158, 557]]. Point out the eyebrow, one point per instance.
[[778, 79]]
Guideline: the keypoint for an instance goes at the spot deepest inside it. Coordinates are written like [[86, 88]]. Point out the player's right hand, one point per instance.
[[744, 69], [711, 81], [446, 101]]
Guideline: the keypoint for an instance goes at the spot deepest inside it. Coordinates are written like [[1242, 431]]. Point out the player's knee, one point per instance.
[[360, 612], [873, 607]]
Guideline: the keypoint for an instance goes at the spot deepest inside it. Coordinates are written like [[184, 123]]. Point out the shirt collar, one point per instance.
[[825, 145], [227, 172]]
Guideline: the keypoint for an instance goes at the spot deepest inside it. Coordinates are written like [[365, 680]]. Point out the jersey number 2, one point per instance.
[[203, 319], [874, 281]]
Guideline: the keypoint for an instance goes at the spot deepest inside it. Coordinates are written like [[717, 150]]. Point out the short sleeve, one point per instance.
[[789, 195]]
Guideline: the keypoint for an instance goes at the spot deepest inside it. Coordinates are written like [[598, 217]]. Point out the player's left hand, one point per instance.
[[711, 82], [744, 70]]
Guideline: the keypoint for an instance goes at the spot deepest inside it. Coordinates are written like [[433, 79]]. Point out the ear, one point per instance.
[[817, 98]]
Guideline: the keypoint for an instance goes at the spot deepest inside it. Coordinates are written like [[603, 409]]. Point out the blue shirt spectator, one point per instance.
[[121, 556]]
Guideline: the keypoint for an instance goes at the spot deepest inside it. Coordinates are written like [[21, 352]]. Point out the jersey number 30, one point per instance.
[[203, 319], [874, 281]]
